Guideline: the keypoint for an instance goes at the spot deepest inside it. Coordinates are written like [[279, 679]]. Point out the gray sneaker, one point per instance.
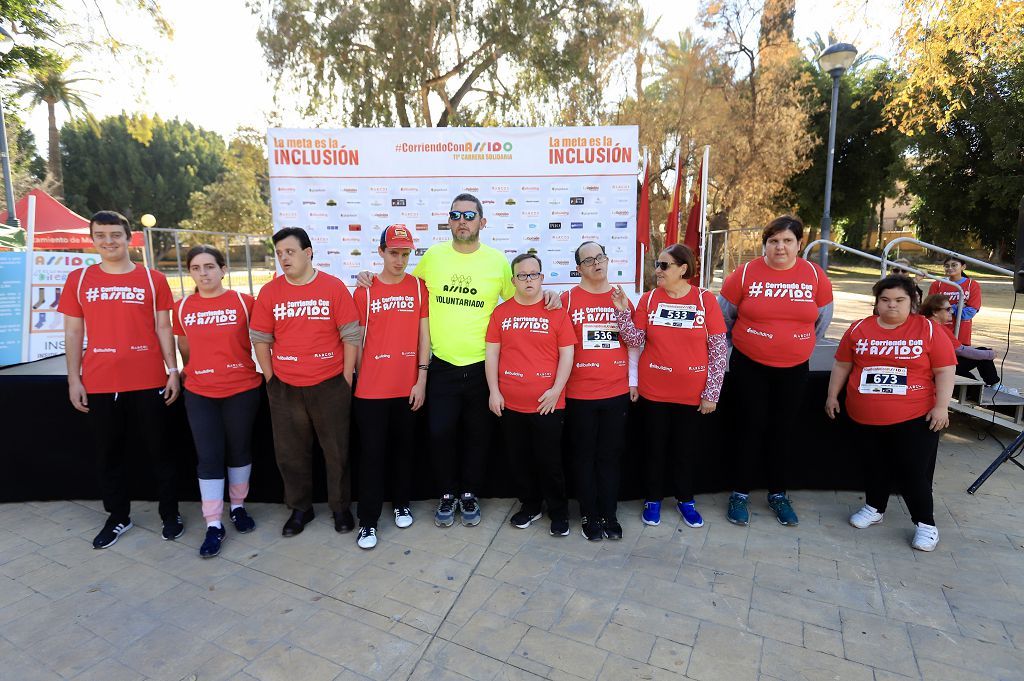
[[469, 508], [444, 516]]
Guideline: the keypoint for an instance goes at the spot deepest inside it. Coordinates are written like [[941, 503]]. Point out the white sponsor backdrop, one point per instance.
[[546, 189]]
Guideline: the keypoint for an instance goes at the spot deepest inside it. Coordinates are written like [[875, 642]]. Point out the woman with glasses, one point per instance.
[[681, 367], [897, 368], [775, 308], [527, 363], [597, 394], [937, 308], [954, 270]]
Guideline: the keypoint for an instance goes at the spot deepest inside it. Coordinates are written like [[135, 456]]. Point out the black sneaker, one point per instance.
[[523, 518], [611, 528], [211, 545], [112, 529], [242, 520], [560, 528], [173, 528], [591, 530]]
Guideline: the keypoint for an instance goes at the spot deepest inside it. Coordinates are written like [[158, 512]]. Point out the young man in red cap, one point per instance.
[[392, 382]]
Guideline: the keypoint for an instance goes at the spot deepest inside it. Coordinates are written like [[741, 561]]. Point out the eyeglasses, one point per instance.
[[595, 260], [528, 276], [462, 214], [662, 265]]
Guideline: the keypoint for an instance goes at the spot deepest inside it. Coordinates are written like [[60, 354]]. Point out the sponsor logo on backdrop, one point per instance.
[[420, 226], [621, 225], [587, 150], [333, 251], [355, 228], [313, 151], [397, 202], [411, 189], [333, 228], [560, 237], [575, 200], [559, 213], [576, 225], [421, 252], [510, 201], [554, 225], [309, 203]]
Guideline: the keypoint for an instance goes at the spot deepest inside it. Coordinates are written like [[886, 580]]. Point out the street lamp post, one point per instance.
[[834, 60], [6, 45]]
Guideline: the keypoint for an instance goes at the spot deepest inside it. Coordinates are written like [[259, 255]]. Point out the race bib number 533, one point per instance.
[[678, 316]]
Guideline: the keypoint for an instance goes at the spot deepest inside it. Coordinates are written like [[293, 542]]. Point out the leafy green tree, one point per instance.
[[137, 164], [969, 175], [37, 20], [444, 62], [239, 200]]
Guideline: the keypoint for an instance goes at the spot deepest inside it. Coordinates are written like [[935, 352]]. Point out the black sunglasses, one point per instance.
[[662, 265], [460, 214]]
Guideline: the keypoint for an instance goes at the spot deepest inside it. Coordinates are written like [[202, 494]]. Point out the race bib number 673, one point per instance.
[[883, 381]]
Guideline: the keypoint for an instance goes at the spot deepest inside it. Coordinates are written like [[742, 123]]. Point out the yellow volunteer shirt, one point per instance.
[[464, 290]]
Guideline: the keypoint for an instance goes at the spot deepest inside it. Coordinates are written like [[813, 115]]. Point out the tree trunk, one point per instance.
[[53, 164]]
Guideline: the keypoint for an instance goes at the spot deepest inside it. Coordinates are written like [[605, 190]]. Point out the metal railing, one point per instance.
[[943, 251], [905, 268], [730, 255], [209, 237]]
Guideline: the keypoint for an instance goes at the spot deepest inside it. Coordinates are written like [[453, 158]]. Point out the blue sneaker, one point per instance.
[[469, 508], [211, 545], [738, 513], [444, 516], [783, 509], [690, 515], [652, 513]]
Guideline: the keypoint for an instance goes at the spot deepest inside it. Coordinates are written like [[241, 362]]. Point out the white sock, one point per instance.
[[215, 523]]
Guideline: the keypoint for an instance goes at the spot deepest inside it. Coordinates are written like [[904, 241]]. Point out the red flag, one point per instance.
[[672, 223], [692, 236], [643, 226]]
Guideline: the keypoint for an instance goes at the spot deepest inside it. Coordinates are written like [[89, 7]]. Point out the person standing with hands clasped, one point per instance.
[[391, 382], [121, 377], [898, 368], [528, 359], [222, 389], [680, 374]]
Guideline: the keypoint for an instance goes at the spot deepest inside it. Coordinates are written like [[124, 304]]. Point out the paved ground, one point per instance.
[[821, 601]]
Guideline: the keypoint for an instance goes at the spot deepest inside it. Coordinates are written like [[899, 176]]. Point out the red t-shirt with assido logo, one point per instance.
[[123, 351], [600, 364], [304, 320], [391, 315], [891, 380], [674, 364], [530, 338], [777, 310], [220, 355]]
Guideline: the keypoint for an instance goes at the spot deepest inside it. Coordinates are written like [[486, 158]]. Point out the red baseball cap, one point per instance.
[[396, 236]]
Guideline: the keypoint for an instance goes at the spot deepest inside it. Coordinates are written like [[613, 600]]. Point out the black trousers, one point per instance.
[[108, 415], [222, 430], [459, 421], [385, 454], [533, 444], [674, 438], [900, 457], [597, 431], [986, 369], [766, 404]]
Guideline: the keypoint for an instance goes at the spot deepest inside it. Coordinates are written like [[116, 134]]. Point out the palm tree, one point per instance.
[[54, 84]]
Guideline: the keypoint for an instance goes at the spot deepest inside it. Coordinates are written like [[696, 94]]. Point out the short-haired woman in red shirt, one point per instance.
[[898, 369]]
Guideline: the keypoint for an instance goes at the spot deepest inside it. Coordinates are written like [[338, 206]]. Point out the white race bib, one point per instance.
[[883, 381], [678, 316], [600, 336]]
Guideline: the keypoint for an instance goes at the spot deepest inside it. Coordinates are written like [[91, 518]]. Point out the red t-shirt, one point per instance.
[[674, 363], [123, 350], [391, 315], [220, 355], [305, 321], [952, 339], [601, 361], [972, 290], [776, 310], [530, 337], [891, 380]]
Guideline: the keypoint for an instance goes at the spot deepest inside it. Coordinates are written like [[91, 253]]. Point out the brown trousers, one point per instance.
[[298, 415]]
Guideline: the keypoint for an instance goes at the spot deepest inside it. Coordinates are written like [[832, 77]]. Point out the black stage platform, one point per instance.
[[47, 450]]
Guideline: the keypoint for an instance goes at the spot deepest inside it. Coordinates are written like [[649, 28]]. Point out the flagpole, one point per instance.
[[703, 217]]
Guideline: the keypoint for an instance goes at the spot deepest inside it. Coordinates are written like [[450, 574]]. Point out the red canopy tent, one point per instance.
[[57, 227]]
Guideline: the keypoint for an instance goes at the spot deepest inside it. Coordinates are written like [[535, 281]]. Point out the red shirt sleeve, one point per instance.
[[262, 317], [164, 297], [941, 351], [949, 334], [566, 332], [69, 304], [493, 328], [731, 287], [640, 312], [713, 320], [176, 328], [359, 300], [345, 306], [974, 295], [424, 300], [844, 353], [934, 288], [824, 290]]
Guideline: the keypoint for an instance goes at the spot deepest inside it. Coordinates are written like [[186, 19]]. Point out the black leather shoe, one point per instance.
[[343, 522], [297, 522]]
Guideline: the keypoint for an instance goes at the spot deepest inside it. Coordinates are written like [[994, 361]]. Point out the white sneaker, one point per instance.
[[866, 517], [926, 538], [1000, 388], [403, 517], [367, 537]]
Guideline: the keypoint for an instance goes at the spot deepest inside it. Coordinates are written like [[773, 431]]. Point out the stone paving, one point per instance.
[[819, 601]]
